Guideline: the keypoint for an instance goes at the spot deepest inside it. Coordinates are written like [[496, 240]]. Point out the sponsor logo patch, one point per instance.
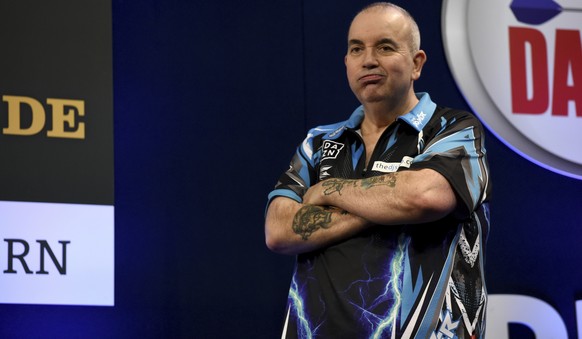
[[331, 149], [389, 167]]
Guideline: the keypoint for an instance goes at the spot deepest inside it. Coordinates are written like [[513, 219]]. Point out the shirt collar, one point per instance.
[[418, 117], [421, 113]]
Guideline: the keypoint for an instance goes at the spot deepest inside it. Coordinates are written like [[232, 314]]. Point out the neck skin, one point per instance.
[[379, 115]]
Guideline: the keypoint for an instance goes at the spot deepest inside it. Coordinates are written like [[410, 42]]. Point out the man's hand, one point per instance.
[[314, 195]]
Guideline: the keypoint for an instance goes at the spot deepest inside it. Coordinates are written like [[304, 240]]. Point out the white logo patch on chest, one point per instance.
[[331, 149]]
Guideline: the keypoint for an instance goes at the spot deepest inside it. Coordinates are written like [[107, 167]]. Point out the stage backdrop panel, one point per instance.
[[56, 143]]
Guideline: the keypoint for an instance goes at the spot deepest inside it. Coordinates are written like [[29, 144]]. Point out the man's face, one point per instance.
[[379, 63]]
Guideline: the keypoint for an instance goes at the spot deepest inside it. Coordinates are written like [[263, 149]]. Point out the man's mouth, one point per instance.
[[371, 78]]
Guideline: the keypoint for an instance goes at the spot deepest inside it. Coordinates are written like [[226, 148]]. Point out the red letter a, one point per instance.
[[568, 57]]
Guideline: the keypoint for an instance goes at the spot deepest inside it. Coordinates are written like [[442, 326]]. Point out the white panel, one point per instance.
[[539, 316], [89, 276]]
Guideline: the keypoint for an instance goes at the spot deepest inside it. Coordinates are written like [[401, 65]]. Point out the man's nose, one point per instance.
[[370, 58]]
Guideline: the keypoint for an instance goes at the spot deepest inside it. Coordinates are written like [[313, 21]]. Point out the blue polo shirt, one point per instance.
[[395, 281]]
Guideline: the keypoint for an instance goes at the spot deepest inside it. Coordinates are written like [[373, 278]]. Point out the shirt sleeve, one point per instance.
[[455, 149], [294, 182]]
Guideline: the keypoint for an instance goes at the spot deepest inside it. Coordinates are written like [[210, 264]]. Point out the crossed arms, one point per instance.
[[336, 209]]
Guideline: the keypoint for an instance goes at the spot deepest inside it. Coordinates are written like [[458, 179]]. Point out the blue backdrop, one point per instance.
[[210, 101]]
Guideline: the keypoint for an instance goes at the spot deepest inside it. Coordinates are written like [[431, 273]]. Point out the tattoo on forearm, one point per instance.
[[332, 186], [311, 218], [336, 185], [381, 180]]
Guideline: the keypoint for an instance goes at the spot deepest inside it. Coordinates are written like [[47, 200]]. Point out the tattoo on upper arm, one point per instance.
[[311, 218], [337, 185]]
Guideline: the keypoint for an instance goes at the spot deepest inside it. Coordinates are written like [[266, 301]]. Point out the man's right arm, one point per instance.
[[293, 228]]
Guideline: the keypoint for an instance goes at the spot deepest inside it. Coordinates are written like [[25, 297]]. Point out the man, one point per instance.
[[386, 211]]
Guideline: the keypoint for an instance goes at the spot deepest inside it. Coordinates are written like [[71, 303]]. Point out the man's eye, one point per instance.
[[385, 48], [355, 50]]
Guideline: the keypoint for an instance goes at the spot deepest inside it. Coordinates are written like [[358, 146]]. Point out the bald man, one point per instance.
[[387, 212]]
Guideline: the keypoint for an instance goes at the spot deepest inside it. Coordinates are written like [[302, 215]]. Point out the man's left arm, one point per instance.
[[406, 197]]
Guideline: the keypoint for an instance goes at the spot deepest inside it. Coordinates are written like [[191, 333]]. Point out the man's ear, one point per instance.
[[418, 59]]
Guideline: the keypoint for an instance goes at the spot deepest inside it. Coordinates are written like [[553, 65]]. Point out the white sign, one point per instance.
[[56, 254], [541, 318], [519, 65]]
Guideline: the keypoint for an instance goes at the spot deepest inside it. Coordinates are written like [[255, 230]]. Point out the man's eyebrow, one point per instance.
[[379, 42], [355, 42], [386, 41]]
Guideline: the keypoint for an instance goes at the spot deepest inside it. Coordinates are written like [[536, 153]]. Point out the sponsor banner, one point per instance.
[[519, 65], [56, 102], [56, 253], [56, 141]]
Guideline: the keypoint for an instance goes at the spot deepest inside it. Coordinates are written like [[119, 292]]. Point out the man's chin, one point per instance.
[[373, 98]]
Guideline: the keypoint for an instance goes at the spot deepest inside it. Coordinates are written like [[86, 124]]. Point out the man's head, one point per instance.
[[384, 57], [414, 42]]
